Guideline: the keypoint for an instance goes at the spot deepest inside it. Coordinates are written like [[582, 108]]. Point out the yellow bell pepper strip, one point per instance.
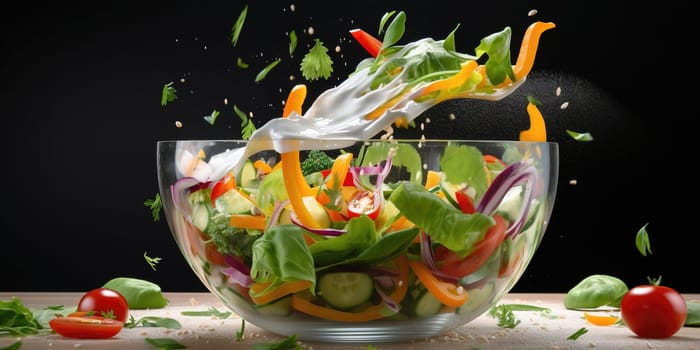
[[248, 221], [537, 131], [447, 86], [294, 182], [262, 294], [302, 304], [447, 293], [601, 320]]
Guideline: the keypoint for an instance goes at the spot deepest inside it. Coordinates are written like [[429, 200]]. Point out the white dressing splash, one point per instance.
[[339, 116]]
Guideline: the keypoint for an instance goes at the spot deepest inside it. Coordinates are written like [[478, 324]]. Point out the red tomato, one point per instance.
[[364, 202], [104, 302], [92, 327], [653, 311], [453, 265]]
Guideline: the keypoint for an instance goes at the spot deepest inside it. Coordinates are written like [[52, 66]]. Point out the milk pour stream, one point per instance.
[[337, 118]]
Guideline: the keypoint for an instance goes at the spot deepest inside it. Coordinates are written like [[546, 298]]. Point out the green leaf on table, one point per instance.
[[165, 343], [210, 312], [14, 346], [153, 321], [288, 343]]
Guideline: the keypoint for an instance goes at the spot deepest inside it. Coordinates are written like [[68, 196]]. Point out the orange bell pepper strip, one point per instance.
[[248, 221], [537, 131], [260, 295], [447, 293], [601, 320], [336, 177], [294, 182], [262, 167], [528, 48], [374, 312]]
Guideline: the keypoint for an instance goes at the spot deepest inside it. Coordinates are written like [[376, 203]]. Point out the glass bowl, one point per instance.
[[363, 241]]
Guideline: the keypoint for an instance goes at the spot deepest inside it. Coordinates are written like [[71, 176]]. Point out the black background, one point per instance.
[[81, 114]]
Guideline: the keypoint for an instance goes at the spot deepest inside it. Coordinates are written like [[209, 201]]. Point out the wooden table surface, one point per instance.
[[536, 330]]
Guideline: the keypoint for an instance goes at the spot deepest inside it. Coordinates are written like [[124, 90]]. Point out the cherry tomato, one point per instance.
[[86, 327], [364, 202], [453, 265], [653, 311], [104, 302], [348, 181]]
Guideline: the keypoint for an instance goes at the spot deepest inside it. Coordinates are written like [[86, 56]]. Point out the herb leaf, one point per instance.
[[241, 63], [151, 261], [211, 119], [238, 26], [506, 317], [156, 205], [394, 31], [247, 126], [168, 94], [580, 136], [240, 334], [581, 331], [316, 63], [263, 73], [165, 343], [642, 241], [292, 42]]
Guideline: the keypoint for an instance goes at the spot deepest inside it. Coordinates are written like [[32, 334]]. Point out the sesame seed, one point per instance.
[[573, 182], [564, 105], [532, 12], [558, 90], [178, 124]]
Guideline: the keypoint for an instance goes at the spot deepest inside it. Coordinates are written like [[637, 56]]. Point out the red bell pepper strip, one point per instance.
[[367, 41]]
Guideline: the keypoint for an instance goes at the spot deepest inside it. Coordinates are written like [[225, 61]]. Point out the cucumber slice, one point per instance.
[[248, 177], [279, 307], [420, 302], [511, 204], [345, 290], [478, 298], [233, 202], [427, 305], [200, 216]]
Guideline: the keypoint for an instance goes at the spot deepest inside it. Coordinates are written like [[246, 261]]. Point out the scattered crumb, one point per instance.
[[337, 48], [77, 345], [194, 302], [311, 30], [452, 116], [225, 101], [532, 12]]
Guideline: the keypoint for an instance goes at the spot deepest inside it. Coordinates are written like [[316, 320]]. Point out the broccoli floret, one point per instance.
[[316, 161]]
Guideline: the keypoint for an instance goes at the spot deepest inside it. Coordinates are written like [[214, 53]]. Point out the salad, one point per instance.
[[371, 233], [367, 234]]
